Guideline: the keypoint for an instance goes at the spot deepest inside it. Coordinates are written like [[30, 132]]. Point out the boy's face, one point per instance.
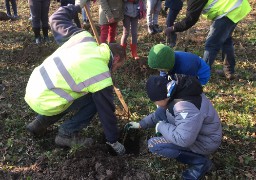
[[162, 103]]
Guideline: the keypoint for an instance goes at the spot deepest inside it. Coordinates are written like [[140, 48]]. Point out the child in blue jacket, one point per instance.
[[170, 62]]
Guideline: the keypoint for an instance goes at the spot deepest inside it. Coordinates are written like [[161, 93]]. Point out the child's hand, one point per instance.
[[133, 125]]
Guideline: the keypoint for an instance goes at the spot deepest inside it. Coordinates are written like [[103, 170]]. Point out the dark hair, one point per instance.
[[117, 49]]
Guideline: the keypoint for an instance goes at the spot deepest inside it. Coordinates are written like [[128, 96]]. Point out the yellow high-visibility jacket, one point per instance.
[[78, 67], [235, 10]]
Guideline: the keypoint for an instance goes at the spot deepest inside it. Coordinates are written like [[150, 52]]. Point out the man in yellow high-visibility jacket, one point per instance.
[[225, 16], [77, 76]]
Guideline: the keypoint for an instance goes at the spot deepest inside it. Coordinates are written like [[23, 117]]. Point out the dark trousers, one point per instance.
[[14, 7]]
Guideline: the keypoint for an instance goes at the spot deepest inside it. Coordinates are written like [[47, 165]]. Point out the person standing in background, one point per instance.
[[76, 18], [174, 7], [153, 10], [110, 13], [224, 15], [40, 10], [14, 8], [130, 22]]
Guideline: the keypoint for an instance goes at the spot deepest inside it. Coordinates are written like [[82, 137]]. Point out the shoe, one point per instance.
[[38, 40], [69, 141], [30, 18], [9, 15], [199, 165], [46, 39], [157, 29], [134, 51], [151, 30], [117, 147], [37, 127], [15, 17]]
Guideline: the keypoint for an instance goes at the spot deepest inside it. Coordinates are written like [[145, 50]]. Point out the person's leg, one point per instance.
[[86, 109], [126, 31], [39, 126], [150, 10], [199, 164], [104, 33], [134, 41], [228, 56], [85, 19], [35, 6], [8, 9], [45, 5], [112, 32], [162, 147], [77, 20], [219, 33], [14, 8], [157, 9]]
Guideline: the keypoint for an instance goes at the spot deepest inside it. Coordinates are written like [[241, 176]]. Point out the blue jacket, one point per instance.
[[189, 64]]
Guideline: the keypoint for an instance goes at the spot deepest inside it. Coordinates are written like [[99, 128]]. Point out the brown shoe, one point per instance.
[[69, 141]]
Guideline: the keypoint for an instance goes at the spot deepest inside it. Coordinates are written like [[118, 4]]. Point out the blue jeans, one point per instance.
[[220, 37], [85, 110], [162, 147], [14, 7], [84, 17]]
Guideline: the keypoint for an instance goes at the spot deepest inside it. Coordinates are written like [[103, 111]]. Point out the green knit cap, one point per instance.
[[161, 57]]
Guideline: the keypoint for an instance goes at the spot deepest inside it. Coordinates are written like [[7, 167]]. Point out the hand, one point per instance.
[[157, 132], [118, 147], [133, 125], [81, 3], [168, 31]]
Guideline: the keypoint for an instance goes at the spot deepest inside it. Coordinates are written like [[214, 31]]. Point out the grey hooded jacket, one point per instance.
[[190, 120]]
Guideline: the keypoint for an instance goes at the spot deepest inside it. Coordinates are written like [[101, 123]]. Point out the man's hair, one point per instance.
[[117, 49]]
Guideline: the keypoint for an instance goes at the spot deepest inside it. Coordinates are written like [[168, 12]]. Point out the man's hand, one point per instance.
[[131, 125], [118, 147], [81, 3], [168, 31], [157, 132]]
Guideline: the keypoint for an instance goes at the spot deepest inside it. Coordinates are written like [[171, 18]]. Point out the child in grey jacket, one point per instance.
[[189, 126]]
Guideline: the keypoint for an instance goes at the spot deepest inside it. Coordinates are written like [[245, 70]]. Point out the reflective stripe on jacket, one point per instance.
[[235, 10], [78, 67]]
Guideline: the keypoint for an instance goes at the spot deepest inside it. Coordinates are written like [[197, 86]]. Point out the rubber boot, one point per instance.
[[134, 51], [37, 35], [39, 126], [45, 34], [124, 46], [199, 165]]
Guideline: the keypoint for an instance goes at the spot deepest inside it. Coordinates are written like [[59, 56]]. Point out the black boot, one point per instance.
[[151, 30], [37, 35], [199, 165], [45, 34], [39, 126], [157, 29]]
